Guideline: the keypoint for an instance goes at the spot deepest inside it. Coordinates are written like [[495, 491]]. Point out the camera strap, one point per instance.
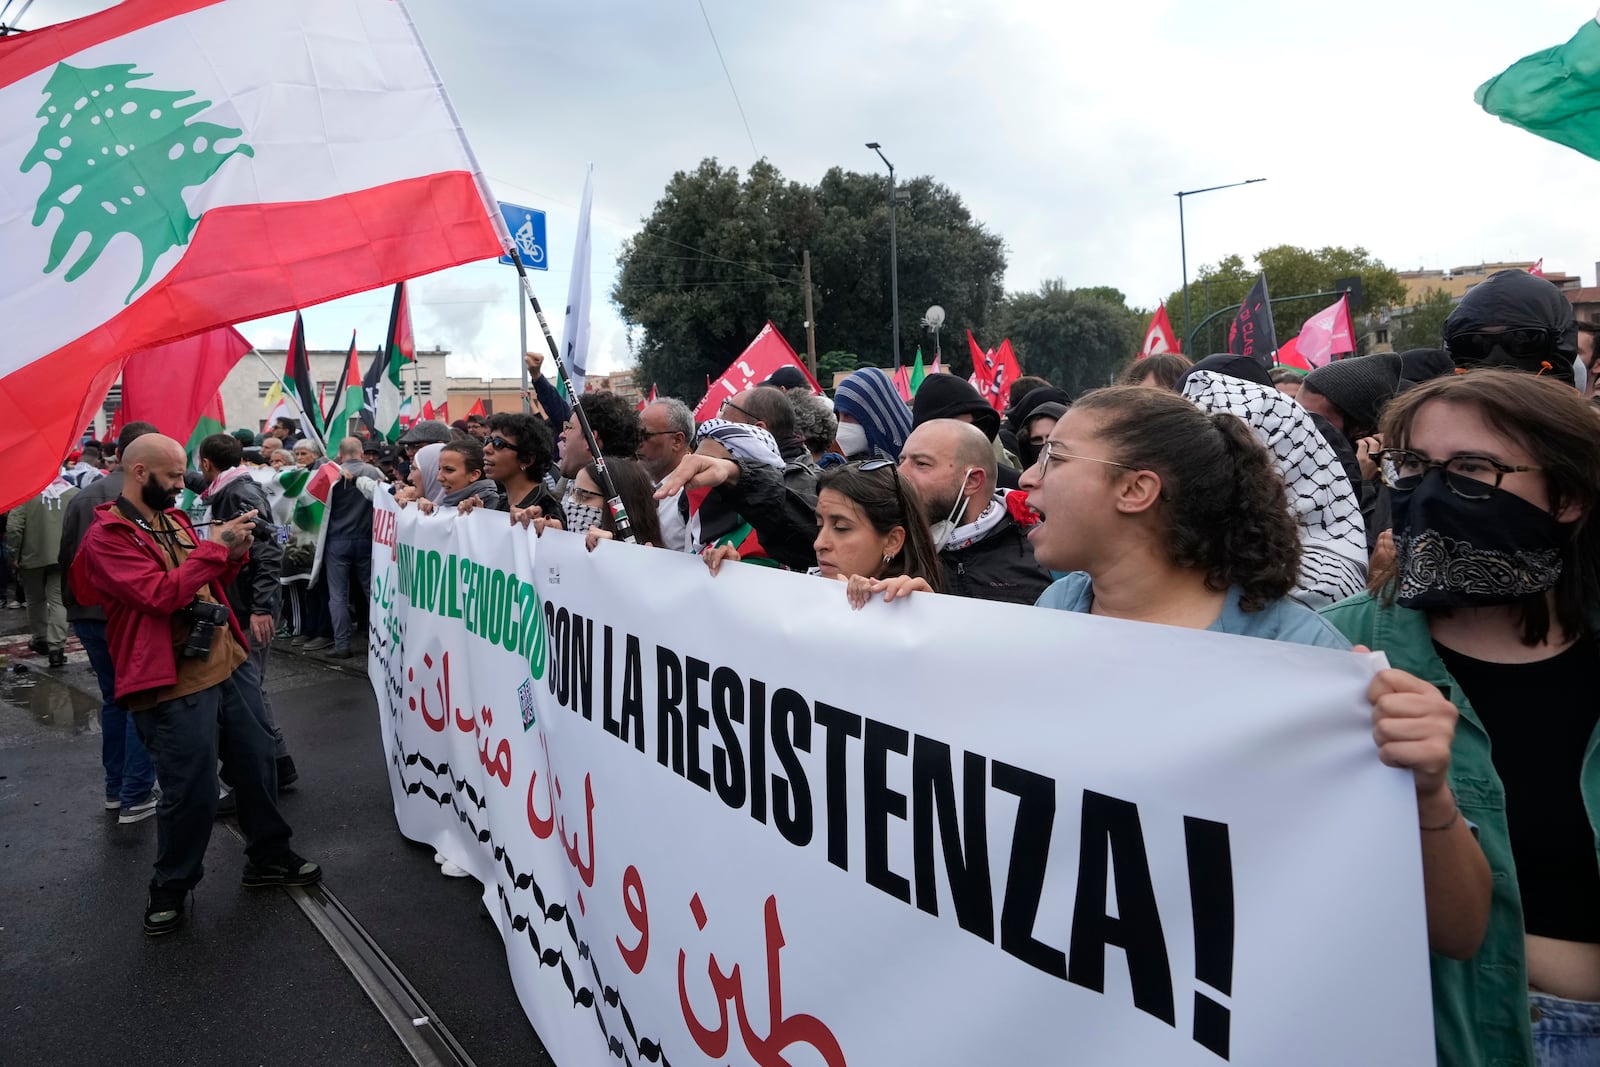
[[166, 539]]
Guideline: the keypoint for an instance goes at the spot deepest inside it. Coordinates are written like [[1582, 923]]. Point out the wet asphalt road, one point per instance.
[[248, 980]]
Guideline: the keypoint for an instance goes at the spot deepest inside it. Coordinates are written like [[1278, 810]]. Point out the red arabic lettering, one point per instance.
[[633, 903], [782, 1033], [542, 825], [574, 856], [442, 690]]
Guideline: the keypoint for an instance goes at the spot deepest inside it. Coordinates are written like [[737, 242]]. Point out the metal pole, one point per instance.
[[619, 514], [894, 267], [522, 356], [811, 324], [1183, 251]]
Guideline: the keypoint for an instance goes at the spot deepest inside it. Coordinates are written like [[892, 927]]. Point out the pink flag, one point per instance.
[[1537, 270], [766, 354], [1159, 338], [902, 382], [1325, 335]]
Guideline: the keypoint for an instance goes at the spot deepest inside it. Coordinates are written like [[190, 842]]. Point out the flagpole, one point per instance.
[[619, 514], [306, 424]]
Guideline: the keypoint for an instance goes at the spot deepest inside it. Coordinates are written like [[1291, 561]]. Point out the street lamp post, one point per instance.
[[894, 255], [1183, 246]]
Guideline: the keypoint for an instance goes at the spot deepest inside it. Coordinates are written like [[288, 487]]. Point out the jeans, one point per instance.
[[1566, 1033], [130, 775], [316, 621], [342, 558], [47, 615], [186, 736]]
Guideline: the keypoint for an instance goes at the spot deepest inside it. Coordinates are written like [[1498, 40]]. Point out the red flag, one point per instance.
[[171, 385], [993, 372], [902, 382], [1325, 335], [427, 411], [477, 409], [651, 399], [765, 355], [443, 411], [1159, 338], [1537, 270]]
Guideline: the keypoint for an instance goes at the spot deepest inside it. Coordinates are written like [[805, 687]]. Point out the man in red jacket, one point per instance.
[[182, 669]]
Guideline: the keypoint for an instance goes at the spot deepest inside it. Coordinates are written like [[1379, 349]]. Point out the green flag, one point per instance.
[[918, 372], [1554, 93], [211, 421]]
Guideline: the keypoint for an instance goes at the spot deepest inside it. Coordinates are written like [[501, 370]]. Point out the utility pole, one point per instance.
[[811, 324]]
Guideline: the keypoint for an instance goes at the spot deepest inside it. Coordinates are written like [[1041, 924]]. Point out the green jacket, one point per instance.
[[1480, 1006], [33, 531]]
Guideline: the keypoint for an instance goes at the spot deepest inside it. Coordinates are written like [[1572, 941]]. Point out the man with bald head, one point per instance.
[[182, 670], [985, 553]]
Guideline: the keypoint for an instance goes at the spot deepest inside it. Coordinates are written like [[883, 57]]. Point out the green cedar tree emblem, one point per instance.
[[120, 158]]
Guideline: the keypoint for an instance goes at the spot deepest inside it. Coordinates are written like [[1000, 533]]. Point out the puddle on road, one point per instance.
[[48, 702]]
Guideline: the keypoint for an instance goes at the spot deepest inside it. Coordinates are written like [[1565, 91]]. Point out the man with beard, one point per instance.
[[182, 670], [985, 553]]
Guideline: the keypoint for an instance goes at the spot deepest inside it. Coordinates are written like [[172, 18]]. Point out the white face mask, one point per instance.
[[946, 527], [852, 438]]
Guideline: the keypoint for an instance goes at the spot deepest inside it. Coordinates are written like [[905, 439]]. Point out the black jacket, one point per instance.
[[256, 590], [74, 524], [784, 517], [998, 567]]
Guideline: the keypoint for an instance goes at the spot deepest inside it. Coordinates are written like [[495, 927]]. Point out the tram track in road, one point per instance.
[[423, 1035]]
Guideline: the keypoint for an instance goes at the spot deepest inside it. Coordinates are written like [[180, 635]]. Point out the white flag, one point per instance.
[[575, 331]]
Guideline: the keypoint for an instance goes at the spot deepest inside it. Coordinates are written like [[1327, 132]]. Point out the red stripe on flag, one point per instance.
[[244, 262], [28, 53]]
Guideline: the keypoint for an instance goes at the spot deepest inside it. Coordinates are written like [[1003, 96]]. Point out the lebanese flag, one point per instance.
[[173, 385], [1159, 338], [764, 356], [179, 165], [1325, 335]]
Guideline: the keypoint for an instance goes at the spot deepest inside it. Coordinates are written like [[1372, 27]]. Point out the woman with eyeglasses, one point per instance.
[[1494, 477], [872, 534], [1168, 514]]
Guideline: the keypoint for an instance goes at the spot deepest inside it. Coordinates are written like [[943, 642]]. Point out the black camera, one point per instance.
[[204, 617]]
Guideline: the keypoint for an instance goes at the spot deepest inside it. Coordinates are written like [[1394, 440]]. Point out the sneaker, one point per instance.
[[439, 860], [164, 913], [450, 870], [113, 804], [141, 811], [39, 646], [299, 639], [286, 869], [341, 653], [287, 775], [58, 658], [283, 633], [318, 644], [15, 605], [227, 804]]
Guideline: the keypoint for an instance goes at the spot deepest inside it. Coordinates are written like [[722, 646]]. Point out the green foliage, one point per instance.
[[1421, 325], [720, 255], [1290, 271], [120, 159], [1076, 338], [835, 362]]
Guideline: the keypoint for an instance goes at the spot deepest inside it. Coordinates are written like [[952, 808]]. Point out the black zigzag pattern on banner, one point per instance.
[[645, 1048]]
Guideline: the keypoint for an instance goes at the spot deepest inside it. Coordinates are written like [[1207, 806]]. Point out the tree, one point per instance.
[[1077, 338], [835, 362], [1422, 324], [720, 255], [1290, 271]]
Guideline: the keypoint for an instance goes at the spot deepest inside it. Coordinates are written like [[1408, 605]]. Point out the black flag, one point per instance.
[[1252, 333]]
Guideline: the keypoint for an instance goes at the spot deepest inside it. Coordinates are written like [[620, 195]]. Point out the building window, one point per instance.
[[424, 387], [1383, 337], [262, 389]]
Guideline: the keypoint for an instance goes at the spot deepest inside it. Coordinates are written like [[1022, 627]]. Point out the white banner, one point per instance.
[[729, 820]]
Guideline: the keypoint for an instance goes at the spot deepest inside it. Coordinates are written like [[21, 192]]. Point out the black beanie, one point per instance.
[[1359, 387], [944, 396], [1234, 367]]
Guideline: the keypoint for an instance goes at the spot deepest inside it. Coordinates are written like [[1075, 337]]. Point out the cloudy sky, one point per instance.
[[1066, 128]]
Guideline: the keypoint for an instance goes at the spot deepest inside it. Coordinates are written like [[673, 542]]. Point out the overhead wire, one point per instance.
[[737, 103]]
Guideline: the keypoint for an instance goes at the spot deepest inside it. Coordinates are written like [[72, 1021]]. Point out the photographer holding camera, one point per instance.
[[182, 668]]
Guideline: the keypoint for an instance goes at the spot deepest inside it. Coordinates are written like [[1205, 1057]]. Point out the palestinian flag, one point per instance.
[[346, 398], [381, 385], [300, 387], [299, 500], [179, 165], [211, 420]]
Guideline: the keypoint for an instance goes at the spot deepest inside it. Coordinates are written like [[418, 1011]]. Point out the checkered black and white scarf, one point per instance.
[[1333, 563]]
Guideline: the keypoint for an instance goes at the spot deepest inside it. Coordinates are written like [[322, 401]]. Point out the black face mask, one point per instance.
[[1454, 552], [156, 498]]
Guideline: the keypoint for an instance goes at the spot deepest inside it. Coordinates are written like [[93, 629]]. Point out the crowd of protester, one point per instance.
[[1433, 505]]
